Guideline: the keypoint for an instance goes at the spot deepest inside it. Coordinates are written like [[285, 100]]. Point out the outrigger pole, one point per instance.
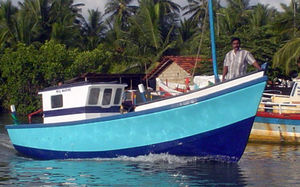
[[212, 39]]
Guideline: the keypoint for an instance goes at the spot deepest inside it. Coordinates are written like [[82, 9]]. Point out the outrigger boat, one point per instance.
[[83, 121], [278, 118]]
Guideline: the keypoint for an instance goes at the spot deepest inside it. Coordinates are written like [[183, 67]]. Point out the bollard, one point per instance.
[[142, 91], [14, 114]]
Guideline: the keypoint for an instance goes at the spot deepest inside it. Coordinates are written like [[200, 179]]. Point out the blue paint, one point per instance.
[[158, 109], [212, 38], [143, 97], [80, 110], [15, 118], [156, 130], [277, 121], [213, 144]]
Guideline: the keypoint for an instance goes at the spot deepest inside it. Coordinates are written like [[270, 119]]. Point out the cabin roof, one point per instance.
[[83, 83], [187, 63], [132, 80], [101, 77]]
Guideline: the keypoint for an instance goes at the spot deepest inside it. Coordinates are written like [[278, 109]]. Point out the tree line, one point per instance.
[[43, 42]]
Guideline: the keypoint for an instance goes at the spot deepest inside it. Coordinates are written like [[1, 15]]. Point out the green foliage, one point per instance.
[[96, 61], [288, 57], [53, 61], [43, 42], [20, 72], [28, 69]]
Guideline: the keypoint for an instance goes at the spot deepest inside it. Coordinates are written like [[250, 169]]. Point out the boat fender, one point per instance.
[[14, 114], [142, 91]]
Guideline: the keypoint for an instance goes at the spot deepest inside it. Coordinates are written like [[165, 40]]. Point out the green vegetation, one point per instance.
[[43, 42]]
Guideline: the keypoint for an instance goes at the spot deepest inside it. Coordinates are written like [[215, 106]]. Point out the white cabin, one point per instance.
[[81, 101]]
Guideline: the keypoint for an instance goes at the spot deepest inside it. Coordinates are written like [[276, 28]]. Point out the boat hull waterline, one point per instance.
[[276, 128], [215, 126]]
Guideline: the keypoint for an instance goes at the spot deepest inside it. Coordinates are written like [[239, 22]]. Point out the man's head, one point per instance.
[[235, 42]]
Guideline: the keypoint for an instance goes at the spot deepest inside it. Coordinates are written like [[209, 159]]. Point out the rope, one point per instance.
[[201, 40]]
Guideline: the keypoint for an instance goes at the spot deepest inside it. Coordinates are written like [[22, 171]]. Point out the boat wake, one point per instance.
[[164, 158], [5, 142], [155, 158]]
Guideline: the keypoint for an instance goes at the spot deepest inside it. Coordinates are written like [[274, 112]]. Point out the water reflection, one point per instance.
[[122, 172], [271, 165], [152, 170], [274, 152], [261, 165]]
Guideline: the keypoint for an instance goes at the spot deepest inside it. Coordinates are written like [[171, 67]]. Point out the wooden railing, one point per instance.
[[280, 107]]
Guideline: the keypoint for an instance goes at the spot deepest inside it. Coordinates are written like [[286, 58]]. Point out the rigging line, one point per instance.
[[201, 41]]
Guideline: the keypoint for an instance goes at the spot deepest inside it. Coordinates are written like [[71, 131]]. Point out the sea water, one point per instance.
[[261, 165]]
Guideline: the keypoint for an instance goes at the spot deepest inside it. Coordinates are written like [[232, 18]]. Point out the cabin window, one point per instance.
[[118, 96], [94, 96], [56, 101], [106, 96]]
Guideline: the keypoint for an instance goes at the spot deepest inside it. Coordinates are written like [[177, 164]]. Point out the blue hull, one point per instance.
[[212, 145], [213, 123]]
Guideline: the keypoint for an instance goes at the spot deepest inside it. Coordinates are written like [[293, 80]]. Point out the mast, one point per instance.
[[212, 39]]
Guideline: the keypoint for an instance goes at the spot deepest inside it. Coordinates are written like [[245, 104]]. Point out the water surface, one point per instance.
[[261, 165]]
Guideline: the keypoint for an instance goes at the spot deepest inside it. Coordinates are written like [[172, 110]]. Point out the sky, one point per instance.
[[100, 4]]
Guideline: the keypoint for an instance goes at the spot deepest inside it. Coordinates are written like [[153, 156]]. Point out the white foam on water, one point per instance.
[[167, 158], [154, 158], [5, 142]]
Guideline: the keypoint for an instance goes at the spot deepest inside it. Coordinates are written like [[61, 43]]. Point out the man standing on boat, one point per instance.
[[237, 60]]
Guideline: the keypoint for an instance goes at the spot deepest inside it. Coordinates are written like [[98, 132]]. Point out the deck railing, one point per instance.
[[280, 107]]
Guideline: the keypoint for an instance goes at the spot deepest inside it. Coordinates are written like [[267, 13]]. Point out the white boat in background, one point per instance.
[[278, 118], [170, 89]]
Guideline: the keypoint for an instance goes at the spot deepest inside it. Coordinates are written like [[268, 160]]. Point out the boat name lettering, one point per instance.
[[63, 90]]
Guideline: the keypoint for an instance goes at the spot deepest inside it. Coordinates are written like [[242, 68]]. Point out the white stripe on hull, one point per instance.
[[76, 117]]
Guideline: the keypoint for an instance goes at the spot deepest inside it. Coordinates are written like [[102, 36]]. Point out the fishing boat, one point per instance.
[[170, 89], [83, 121], [278, 117]]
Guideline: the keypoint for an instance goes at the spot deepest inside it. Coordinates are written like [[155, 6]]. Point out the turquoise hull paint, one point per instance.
[[277, 121], [224, 144], [143, 129]]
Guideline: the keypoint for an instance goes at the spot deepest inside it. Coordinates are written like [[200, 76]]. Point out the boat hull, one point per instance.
[[276, 128], [214, 125], [217, 145]]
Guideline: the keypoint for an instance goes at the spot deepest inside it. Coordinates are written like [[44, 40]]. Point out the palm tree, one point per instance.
[[24, 28], [238, 4], [234, 16], [60, 9], [121, 10], [288, 57], [144, 43], [187, 30], [197, 9], [168, 16], [66, 21], [188, 33], [38, 12], [259, 15], [94, 28], [288, 23], [7, 23], [168, 6]]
